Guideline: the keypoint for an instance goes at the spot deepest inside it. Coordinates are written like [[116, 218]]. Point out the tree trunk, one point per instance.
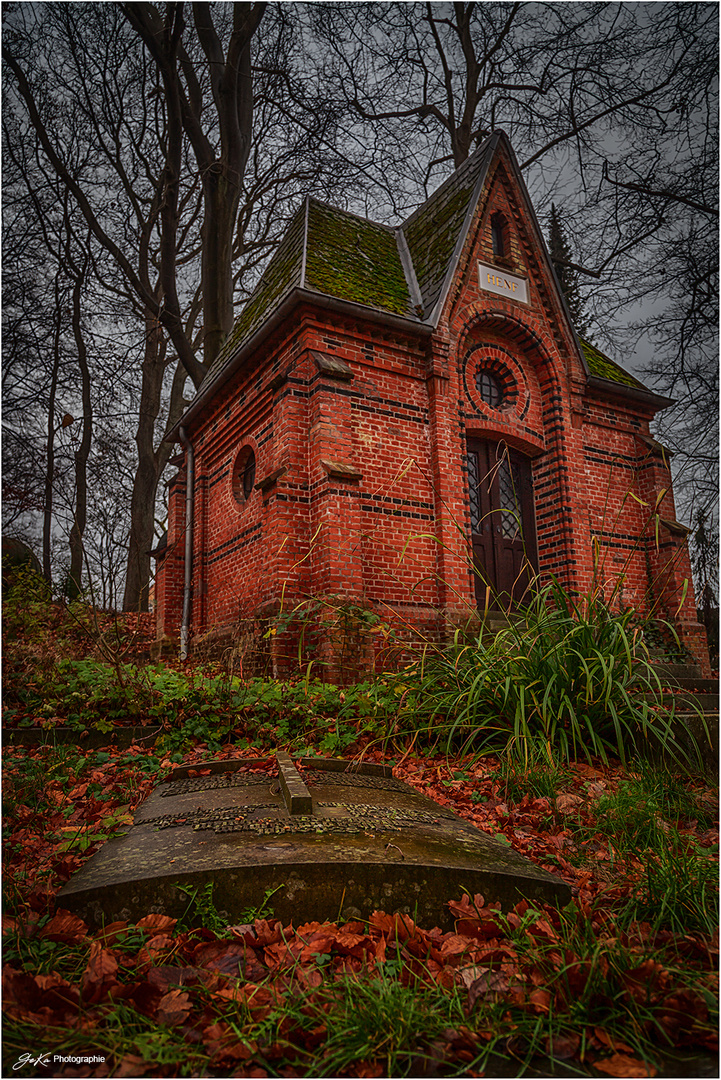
[[50, 455], [221, 198], [82, 453], [150, 466]]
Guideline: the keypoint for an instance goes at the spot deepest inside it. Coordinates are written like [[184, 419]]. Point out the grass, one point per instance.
[[535, 775], [572, 677]]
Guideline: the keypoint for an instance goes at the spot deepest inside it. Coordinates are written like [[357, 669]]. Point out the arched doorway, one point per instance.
[[503, 522]]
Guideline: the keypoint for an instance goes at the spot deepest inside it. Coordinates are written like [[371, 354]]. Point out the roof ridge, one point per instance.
[[352, 214], [451, 178], [304, 257], [409, 270], [448, 213]]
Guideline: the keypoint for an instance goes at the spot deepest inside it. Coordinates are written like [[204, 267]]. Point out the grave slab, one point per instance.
[[336, 841]]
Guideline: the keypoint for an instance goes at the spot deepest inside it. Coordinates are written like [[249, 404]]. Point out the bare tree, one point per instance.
[[183, 156]]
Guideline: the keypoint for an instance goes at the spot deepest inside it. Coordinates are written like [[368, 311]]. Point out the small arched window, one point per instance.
[[498, 236], [244, 475]]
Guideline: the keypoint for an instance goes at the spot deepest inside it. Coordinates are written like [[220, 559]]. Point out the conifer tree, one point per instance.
[[560, 252]]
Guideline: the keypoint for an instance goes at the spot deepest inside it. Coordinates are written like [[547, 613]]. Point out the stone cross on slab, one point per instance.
[[337, 840]]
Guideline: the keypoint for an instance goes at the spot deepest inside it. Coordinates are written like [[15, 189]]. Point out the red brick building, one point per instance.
[[403, 422]]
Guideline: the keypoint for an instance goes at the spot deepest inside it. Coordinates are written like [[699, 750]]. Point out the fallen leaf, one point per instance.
[[173, 1008], [623, 1065], [132, 1065], [64, 927], [562, 1047], [99, 975], [566, 804], [156, 923]]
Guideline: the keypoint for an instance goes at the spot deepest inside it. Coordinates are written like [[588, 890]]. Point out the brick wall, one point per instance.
[[365, 498]]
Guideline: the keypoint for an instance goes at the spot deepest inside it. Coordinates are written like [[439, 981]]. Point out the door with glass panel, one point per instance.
[[503, 533]]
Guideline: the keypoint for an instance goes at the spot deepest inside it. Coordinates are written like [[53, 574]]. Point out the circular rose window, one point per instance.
[[244, 475], [495, 385], [490, 388]]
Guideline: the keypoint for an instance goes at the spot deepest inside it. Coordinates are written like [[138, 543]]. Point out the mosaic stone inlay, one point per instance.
[[212, 783], [344, 779], [356, 817]]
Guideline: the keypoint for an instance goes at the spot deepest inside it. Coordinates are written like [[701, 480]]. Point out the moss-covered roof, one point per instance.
[[404, 271], [433, 230], [604, 368], [351, 258], [354, 259]]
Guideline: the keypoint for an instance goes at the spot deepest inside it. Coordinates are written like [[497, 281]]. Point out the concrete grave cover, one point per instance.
[[337, 840]]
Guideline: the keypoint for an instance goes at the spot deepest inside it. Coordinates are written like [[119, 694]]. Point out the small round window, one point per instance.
[[490, 388], [244, 474]]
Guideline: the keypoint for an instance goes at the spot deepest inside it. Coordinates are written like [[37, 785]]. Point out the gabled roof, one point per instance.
[[400, 274], [399, 270], [435, 232]]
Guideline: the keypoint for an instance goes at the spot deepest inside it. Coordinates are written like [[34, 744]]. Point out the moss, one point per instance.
[[354, 259], [432, 236], [605, 368]]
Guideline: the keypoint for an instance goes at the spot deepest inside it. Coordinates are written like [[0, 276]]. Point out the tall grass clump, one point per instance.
[[569, 678]]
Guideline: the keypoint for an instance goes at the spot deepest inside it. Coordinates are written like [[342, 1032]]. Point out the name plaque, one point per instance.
[[501, 283]]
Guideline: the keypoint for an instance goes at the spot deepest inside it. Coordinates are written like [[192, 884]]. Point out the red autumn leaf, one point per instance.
[[309, 978], [540, 999], [455, 945], [482, 931], [489, 986], [351, 944], [318, 944], [99, 975], [467, 908], [110, 934], [173, 1008], [223, 1044], [352, 927], [132, 1065], [64, 927], [57, 993], [381, 923], [156, 924], [567, 804], [562, 1046], [158, 942], [258, 999], [266, 933], [623, 1065]]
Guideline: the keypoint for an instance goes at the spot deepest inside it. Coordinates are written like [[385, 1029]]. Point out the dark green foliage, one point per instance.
[[560, 252], [571, 678]]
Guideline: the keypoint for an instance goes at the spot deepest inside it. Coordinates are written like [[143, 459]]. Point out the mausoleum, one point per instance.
[[404, 423]]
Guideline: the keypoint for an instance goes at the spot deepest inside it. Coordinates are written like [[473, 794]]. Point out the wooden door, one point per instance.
[[503, 532]]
